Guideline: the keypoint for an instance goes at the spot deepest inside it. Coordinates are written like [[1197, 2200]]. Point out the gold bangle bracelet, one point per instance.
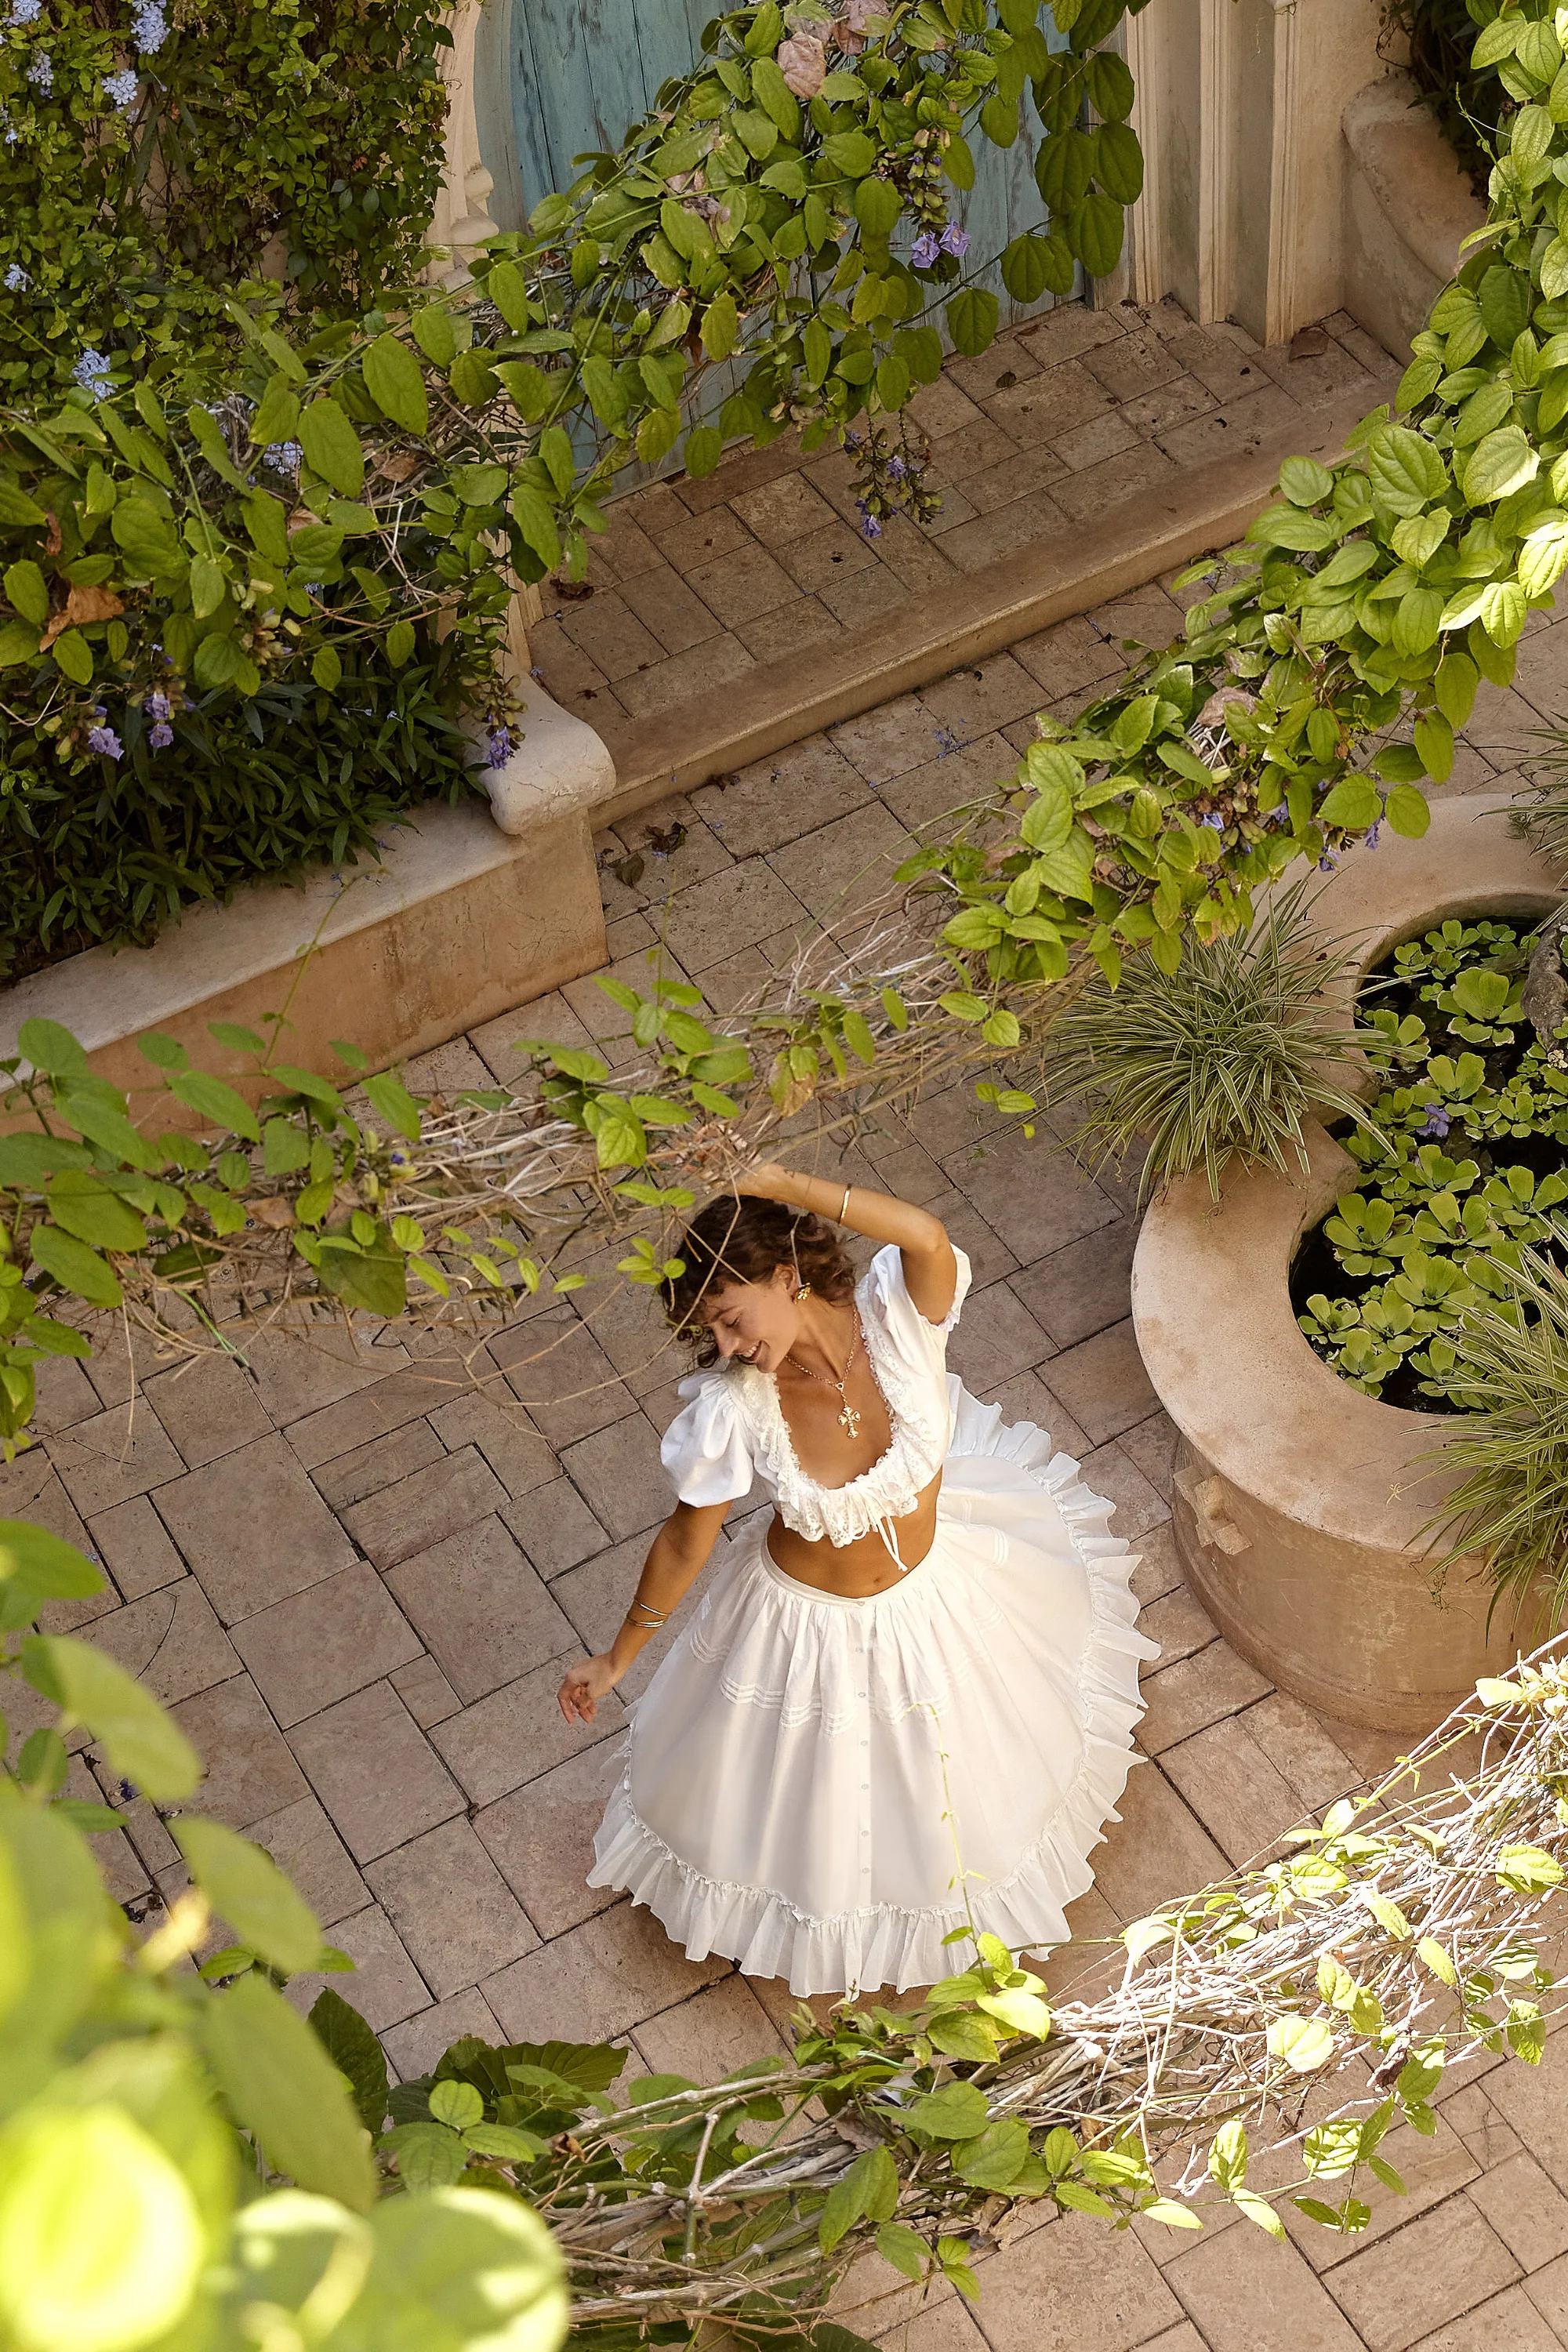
[[844, 1205], [658, 1616]]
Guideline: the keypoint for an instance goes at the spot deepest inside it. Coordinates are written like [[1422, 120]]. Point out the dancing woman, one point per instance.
[[923, 1662]]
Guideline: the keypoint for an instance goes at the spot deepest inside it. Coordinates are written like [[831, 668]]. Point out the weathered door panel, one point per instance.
[[583, 70]]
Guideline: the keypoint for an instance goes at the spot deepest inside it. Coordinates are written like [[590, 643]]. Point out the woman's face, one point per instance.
[[757, 1321]]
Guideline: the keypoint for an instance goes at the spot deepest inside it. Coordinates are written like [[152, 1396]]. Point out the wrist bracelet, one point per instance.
[[844, 1206], [655, 1616]]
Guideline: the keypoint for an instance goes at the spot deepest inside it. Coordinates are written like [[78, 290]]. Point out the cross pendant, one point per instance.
[[849, 1421]]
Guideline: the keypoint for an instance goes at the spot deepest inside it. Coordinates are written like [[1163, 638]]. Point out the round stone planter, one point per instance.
[[1299, 1501]]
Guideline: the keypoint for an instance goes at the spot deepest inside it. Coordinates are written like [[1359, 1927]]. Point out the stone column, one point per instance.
[[1238, 109], [462, 218]]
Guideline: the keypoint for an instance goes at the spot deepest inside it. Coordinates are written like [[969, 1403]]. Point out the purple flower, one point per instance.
[[104, 740], [1438, 1122], [1326, 864], [1214, 821], [284, 456], [16, 279], [955, 240], [502, 747], [162, 736], [1374, 830], [25, 11], [156, 706], [89, 370], [121, 88], [150, 27], [869, 527], [41, 74], [924, 251], [897, 469]]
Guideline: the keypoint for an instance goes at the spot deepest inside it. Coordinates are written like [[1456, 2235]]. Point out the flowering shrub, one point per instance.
[[255, 566], [1464, 1163], [155, 152], [164, 550]]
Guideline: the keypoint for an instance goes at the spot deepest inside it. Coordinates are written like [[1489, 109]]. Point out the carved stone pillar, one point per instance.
[[462, 219], [1238, 109]]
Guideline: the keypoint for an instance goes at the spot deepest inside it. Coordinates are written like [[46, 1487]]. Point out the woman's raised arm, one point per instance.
[[930, 1270]]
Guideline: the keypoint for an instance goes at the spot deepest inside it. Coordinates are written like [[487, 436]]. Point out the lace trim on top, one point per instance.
[[920, 1416]]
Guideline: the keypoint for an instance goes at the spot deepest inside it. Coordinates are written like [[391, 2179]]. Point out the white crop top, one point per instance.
[[734, 1427]]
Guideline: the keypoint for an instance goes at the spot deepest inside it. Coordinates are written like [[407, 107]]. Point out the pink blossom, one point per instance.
[[848, 27], [803, 61]]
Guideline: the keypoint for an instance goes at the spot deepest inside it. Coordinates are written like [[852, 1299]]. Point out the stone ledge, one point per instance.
[[457, 923], [1408, 208], [1069, 572]]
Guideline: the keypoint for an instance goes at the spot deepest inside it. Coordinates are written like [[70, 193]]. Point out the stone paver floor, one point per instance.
[[1069, 414], [356, 1577]]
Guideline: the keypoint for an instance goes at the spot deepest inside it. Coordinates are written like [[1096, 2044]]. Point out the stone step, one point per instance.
[[1064, 572]]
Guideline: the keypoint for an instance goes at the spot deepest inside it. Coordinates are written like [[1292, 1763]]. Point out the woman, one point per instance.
[[904, 1703]]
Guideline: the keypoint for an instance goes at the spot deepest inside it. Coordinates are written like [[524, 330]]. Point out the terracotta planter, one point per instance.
[[1299, 1501]]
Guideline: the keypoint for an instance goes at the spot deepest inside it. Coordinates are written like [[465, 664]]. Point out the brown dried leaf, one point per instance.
[[82, 605], [274, 1212]]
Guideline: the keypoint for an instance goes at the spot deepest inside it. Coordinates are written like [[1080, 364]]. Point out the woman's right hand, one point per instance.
[[586, 1686]]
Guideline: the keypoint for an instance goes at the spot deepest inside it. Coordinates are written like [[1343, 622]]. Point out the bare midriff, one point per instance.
[[854, 1571]]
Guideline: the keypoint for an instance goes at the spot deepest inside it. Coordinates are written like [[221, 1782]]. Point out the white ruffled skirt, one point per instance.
[[806, 1775]]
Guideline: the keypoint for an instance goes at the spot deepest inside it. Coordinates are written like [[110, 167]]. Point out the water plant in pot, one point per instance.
[[1318, 1511]]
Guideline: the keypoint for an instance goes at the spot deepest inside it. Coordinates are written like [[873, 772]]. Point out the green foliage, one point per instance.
[[1230, 1054], [96, 1202], [134, 2098], [96, 849], [1470, 103], [307, 144], [1509, 1378], [1539, 809], [1466, 1167], [236, 525]]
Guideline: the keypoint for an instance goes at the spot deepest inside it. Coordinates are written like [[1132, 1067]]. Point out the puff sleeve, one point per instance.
[[705, 1449], [906, 1326]]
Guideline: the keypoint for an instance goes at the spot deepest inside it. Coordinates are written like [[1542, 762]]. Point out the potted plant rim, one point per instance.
[[1303, 1316]]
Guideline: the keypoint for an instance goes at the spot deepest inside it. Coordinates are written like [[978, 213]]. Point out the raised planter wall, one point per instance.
[[1408, 209], [1299, 1501], [471, 911]]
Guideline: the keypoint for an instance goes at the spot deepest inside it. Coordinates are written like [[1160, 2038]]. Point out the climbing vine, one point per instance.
[[1321, 680], [230, 526], [1310, 2008]]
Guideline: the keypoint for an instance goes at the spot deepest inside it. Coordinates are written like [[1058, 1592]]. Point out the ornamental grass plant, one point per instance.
[[1230, 1054], [1540, 811], [1511, 1507]]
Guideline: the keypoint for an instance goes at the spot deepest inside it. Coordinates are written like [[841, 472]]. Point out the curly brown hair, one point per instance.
[[740, 1239]]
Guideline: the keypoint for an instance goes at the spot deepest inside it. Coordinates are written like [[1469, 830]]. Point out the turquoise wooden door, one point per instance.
[[583, 70]]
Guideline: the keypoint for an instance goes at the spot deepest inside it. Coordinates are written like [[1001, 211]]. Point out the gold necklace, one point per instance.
[[849, 1418]]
